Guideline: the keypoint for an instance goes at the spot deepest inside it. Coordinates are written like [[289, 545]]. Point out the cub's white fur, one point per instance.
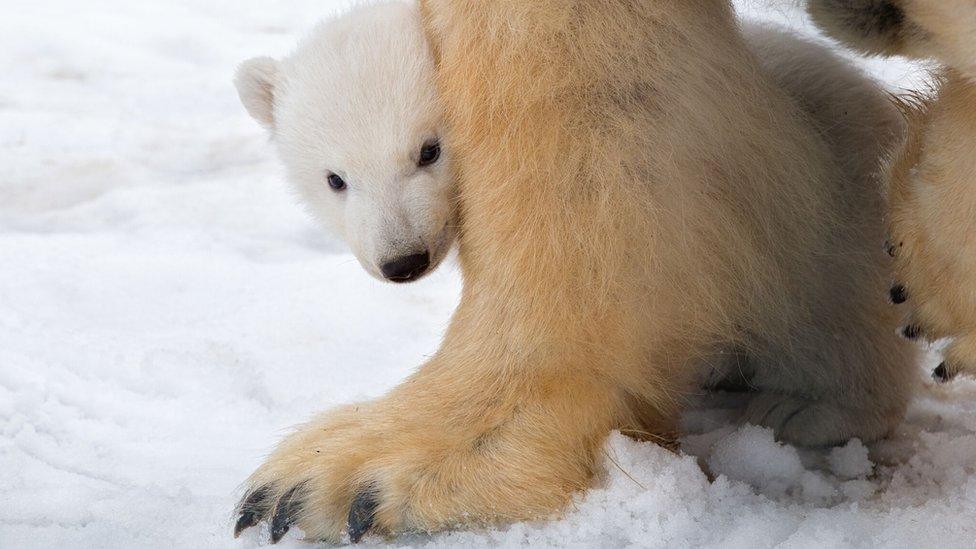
[[357, 99]]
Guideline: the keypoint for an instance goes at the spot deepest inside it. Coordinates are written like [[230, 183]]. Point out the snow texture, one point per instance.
[[167, 311]]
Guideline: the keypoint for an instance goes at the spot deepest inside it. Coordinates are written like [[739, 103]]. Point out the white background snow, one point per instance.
[[167, 311]]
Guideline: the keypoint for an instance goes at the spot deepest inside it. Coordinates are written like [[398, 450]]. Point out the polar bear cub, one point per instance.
[[355, 117]]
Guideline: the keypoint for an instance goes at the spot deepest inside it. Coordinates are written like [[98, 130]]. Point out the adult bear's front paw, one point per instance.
[[312, 477], [393, 468], [335, 475]]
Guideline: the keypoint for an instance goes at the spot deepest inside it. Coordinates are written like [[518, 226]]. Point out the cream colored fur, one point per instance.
[[933, 173], [644, 204]]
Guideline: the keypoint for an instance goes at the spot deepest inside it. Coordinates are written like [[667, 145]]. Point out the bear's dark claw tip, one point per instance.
[[361, 515], [251, 509], [911, 332], [245, 521], [285, 513], [941, 373], [899, 294]]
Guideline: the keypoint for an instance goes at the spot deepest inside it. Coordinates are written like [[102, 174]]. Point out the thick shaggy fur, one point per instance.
[[642, 206], [933, 173]]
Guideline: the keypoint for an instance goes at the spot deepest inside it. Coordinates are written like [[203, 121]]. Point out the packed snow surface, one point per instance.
[[167, 311]]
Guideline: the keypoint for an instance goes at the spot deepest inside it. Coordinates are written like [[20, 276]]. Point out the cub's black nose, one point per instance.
[[406, 268]]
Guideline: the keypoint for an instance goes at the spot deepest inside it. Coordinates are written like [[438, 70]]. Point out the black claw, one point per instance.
[[912, 332], [942, 374], [361, 514], [899, 294], [251, 509], [892, 249], [285, 513], [245, 521]]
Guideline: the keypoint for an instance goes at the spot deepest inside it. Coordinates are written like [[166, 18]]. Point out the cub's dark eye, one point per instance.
[[429, 153], [336, 183]]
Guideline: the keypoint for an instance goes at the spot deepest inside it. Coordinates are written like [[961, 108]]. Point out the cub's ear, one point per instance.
[[878, 27], [256, 80]]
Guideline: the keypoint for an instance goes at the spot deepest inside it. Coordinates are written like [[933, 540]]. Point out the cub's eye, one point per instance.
[[429, 153], [336, 183]]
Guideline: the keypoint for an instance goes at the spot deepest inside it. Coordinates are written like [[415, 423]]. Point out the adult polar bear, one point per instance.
[[640, 200]]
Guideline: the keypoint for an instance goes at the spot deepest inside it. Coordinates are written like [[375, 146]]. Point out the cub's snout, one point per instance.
[[406, 268]]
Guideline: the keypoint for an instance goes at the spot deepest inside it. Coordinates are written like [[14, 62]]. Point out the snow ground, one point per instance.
[[167, 312]]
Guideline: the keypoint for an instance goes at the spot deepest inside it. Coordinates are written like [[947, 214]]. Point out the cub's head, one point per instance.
[[356, 120], [944, 30]]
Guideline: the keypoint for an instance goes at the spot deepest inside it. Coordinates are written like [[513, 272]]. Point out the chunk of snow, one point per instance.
[[850, 461], [751, 455]]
